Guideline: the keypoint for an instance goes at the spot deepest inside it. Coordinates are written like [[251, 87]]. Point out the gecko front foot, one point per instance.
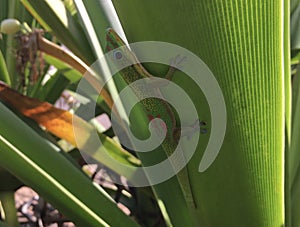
[[197, 126]]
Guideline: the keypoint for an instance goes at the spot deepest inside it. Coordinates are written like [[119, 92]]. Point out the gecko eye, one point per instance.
[[118, 55]]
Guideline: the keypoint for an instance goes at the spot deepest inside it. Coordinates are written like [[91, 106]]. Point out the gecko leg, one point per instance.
[[175, 64]]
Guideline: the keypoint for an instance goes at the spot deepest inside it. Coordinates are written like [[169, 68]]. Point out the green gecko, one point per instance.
[[155, 108]]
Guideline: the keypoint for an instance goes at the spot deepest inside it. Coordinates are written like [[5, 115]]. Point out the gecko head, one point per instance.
[[121, 54], [113, 40]]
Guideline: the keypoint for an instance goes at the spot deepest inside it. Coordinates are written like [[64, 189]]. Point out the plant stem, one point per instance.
[[56, 51]]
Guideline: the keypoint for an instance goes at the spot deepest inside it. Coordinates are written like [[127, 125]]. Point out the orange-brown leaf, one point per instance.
[[57, 121]]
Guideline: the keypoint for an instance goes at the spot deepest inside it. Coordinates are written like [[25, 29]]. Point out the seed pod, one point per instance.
[[10, 26]]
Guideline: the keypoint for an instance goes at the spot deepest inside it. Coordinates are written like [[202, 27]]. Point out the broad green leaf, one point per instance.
[[239, 42], [8, 181]]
